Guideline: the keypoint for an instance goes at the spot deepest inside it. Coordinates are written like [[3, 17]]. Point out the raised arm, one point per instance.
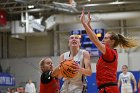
[[91, 33]]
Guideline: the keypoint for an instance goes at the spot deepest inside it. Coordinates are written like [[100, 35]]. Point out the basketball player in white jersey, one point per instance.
[[125, 79], [82, 57]]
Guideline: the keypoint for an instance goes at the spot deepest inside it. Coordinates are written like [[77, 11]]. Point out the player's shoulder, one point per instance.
[[84, 51], [121, 74], [130, 73], [46, 77], [65, 53]]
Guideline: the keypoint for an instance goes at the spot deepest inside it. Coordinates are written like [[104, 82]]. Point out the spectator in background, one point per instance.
[[12, 90], [21, 89], [30, 87], [8, 90], [125, 79], [16, 90]]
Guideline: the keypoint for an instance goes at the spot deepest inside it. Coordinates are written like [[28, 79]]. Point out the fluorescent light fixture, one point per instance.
[[110, 3], [117, 3], [31, 6], [21, 1], [88, 5]]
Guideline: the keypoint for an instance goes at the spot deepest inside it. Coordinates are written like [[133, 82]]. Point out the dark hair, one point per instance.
[[122, 41]]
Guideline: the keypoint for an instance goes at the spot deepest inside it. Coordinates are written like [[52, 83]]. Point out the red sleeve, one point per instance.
[[109, 56]]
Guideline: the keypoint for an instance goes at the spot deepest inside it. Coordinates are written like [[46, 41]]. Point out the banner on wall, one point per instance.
[[3, 20], [7, 79]]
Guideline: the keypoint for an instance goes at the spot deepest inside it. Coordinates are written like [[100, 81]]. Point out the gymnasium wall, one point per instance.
[[23, 55], [44, 45]]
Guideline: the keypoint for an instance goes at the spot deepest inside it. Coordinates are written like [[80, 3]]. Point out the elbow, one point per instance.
[[90, 73], [86, 72]]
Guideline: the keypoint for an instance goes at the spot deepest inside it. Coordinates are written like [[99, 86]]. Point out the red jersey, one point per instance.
[[106, 68], [51, 87]]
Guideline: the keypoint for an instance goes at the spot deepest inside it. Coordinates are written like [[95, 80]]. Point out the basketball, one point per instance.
[[67, 69]]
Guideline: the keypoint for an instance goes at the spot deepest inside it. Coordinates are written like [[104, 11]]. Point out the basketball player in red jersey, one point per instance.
[[49, 82], [107, 64]]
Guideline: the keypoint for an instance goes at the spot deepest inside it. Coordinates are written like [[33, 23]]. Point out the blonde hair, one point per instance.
[[79, 36], [42, 61], [122, 41]]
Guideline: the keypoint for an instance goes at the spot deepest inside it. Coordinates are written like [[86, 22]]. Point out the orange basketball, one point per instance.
[[67, 69]]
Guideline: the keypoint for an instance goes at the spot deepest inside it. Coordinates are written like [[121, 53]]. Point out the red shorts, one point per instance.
[[110, 89]]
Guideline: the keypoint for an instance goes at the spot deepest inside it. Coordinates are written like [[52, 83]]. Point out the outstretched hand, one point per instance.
[[83, 19], [89, 18]]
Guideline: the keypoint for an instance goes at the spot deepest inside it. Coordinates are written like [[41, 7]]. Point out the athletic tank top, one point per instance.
[[78, 59], [106, 67], [49, 84], [51, 87], [126, 78]]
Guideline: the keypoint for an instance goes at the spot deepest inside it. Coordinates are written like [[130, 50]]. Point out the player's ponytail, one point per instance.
[[122, 41], [126, 42]]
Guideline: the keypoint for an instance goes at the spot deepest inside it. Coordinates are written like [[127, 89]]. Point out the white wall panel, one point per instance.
[[122, 60], [39, 46], [133, 22], [134, 61]]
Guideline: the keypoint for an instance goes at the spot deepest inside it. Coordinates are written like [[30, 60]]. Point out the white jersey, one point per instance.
[[126, 79], [74, 83], [30, 88]]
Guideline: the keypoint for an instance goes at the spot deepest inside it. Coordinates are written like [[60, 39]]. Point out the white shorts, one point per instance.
[[126, 89], [71, 88]]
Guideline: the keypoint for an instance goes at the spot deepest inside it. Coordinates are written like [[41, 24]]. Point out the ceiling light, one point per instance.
[[22, 1], [31, 6], [115, 3]]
